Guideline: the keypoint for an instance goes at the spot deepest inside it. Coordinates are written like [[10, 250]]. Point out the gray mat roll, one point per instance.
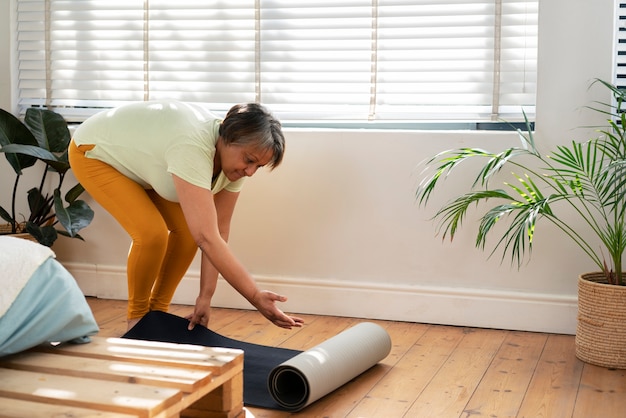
[[314, 373]]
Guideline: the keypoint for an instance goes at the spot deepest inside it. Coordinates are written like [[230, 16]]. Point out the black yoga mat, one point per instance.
[[258, 360]]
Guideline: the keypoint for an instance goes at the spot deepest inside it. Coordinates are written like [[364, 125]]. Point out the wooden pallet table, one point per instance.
[[116, 377]]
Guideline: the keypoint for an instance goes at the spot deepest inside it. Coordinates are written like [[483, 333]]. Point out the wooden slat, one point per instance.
[[404, 336], [397, 390], [16, 408], [553, 390], [118, 397], [229, 388], [452, 386], [145, 378], [216, 360], [602, 393], [187, 380], [503, 386], [224, 402]]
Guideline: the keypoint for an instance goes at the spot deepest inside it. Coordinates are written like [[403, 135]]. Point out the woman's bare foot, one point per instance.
[[132, 323]]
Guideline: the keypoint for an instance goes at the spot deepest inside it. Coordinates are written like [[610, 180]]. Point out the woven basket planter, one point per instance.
[[6, 229], [601, 329]]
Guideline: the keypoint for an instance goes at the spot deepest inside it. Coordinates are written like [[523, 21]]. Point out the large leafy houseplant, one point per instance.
[[43, 136], [580, 189], [586, 179]]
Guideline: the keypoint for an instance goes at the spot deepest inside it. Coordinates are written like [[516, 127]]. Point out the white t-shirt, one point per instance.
[[150, 141]]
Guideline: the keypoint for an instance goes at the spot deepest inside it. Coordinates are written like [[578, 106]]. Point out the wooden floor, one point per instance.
[[432, 371]]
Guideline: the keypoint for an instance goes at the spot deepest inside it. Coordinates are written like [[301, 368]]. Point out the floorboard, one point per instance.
[[432, 370]]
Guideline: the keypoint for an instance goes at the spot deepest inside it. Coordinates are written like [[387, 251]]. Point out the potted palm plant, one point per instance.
[[43, 136], [586, 179]]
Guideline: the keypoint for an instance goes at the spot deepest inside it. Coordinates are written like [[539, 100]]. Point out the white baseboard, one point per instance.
[[426, 304]]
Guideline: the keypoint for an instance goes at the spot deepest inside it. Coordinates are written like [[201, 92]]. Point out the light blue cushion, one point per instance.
[[50, 308]]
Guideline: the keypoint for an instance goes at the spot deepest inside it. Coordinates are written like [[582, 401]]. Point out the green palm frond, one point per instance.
[[581, 169], [451, 215], [614, 186], [527, 138], [520, 232], [496, 163], [445, 162], [587, 179]]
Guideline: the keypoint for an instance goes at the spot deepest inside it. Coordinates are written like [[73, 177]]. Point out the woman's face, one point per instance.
[[239, 161]]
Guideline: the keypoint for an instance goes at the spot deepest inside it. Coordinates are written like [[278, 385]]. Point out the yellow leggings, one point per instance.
[[162, 247]]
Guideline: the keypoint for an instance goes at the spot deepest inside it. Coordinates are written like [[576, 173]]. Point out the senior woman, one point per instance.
[[170, 173]]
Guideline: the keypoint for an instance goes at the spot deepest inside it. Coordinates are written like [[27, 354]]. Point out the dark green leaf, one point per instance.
[[39, 153], [40, 206], [74, 193], [46, 235], [5, 215], [13, 131], [74, 217], [49, 128]]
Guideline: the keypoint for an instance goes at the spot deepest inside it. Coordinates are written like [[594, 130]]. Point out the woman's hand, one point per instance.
[[265, 302], [198, 205], [201, 313]]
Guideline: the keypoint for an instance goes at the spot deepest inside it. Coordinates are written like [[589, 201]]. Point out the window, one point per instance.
[[620, 69], [326, 60]]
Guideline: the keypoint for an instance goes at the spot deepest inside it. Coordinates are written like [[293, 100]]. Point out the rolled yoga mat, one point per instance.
[[296, 384], [314, 373]]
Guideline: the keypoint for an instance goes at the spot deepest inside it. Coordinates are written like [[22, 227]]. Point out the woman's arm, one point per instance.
[[225, 202], [201, 215], [225, 206]]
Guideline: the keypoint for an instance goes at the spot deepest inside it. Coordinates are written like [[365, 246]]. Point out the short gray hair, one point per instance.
[[252, 123]]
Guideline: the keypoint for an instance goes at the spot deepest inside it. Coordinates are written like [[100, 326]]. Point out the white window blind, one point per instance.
[[338, 60], [620, 46]]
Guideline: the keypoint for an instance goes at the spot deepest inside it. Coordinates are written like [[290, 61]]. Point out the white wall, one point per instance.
[[336, 227], [5, 48]]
